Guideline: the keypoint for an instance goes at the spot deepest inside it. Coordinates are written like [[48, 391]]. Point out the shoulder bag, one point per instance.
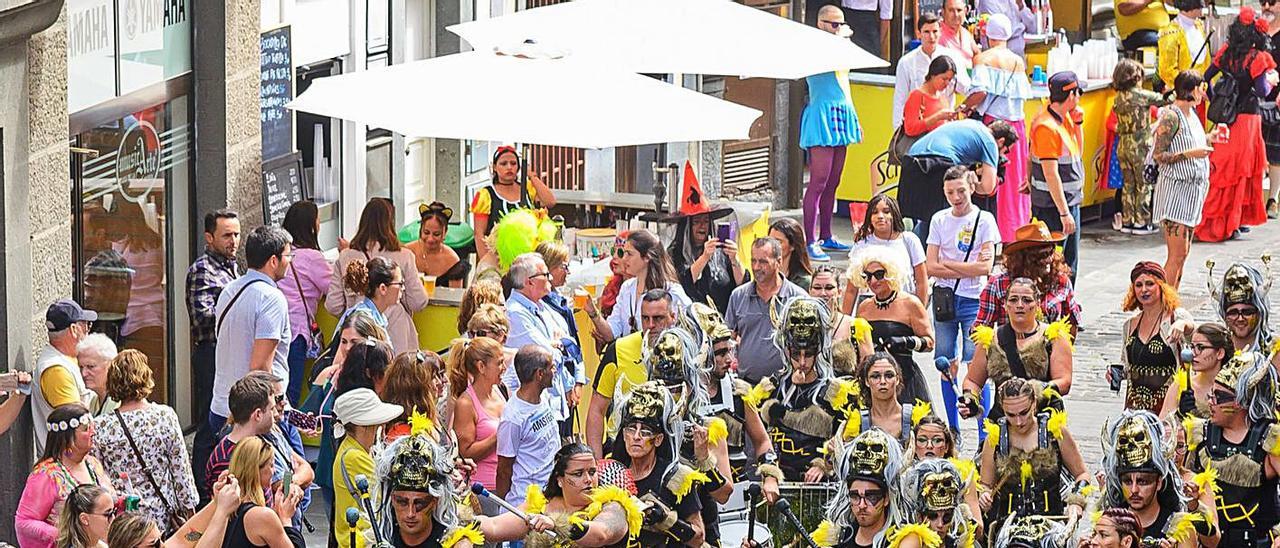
[[317, 338], [174, 519], [944, 298]]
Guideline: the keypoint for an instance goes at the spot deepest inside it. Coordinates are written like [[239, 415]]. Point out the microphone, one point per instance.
[[784, 506], [753, 498], [353, 516], [362, 485], [480, 491]]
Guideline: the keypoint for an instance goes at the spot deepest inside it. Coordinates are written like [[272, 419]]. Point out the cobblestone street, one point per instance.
[[1106, 258]]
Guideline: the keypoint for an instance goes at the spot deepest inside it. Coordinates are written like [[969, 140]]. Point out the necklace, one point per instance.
[[884, 305]]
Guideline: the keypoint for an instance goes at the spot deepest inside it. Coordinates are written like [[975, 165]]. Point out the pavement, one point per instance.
[[1106, 257]]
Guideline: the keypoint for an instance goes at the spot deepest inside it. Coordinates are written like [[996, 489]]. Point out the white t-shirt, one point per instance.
[[529, 434], [906, 249], [951, 234]]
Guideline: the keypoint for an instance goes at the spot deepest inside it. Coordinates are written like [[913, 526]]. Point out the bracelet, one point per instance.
[[1060, 215]]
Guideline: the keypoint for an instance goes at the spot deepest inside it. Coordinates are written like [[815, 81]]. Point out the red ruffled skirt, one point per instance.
[[1235, 182]]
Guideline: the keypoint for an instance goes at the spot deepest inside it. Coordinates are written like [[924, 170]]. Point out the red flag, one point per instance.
[[692, 200]]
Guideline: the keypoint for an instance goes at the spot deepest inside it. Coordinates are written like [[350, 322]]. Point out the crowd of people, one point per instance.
[[714, 374]]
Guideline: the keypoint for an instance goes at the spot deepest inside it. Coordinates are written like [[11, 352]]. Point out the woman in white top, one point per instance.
[[1002, 74], [647, 262], [376, 237], [883, 228]]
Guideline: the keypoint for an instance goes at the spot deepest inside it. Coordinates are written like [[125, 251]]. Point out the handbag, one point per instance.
[[944, 298], [1270, 114], [899, 146], [316, 345], [175, 519]]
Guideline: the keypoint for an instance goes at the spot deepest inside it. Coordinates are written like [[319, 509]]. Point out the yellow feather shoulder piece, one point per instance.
[[1024, 473], [535, 502], [968, 470], [862, 330], [611, 494], [928, 538], [1183, 379], [852, 425], [1271, 442], [682, 481], [1275, 346], [992, 429], [1057, 420], [919, 411], [1057, 329], [982, 335], [470, 533], [1190, 426], [1208, 479], [420, 424], [717, 431], [1183, 528], [842, 393], [826, 535], [758, 393]]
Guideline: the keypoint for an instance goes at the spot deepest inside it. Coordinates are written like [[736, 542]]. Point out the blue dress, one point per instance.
[[829, 119]]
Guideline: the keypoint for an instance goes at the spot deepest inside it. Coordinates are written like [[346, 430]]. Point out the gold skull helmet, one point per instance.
[[708, 317], [870, 454], [803, 326], [667, 361], [1134, 446], [940, 491], [1237, 285]]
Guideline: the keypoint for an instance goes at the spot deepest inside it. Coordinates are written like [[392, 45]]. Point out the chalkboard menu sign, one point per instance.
[[275, 91], [282, 185]]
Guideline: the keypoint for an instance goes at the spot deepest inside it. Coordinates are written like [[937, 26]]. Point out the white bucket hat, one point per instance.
[[362, 407]]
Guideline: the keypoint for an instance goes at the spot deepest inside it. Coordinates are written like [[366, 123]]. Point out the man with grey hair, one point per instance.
[[56, 380], [752, 307], [252, 322], [535, 323], [95, 353], [527, 434]]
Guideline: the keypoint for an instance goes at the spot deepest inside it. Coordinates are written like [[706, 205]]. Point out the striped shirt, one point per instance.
[[1182, 186]]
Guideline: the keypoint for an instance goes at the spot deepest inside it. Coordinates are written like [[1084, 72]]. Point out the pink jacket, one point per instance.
[[404, 336], [310, 272], [42, 499]]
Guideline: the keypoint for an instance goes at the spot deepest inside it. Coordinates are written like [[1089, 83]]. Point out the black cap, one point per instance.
[[1062, 83], [66, 312]]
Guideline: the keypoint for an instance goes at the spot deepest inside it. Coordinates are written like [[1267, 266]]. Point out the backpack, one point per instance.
[[1226, 91]]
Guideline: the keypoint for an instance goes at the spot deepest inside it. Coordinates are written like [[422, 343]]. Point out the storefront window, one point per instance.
[[122, 253], [155, 41], [91, 53]]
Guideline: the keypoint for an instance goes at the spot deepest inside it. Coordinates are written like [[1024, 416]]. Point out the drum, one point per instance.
[[734, 530], [594, 243]]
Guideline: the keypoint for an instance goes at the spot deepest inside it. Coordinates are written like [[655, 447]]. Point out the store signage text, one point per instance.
[[144, 16], [138, 157], [90, 30]]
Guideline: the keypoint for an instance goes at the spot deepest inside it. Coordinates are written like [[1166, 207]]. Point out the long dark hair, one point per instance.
[[365, 363], [899, 226], [660, 271], [377, 224], [799, 260], [300, 222], [940, 65], [57, 443], [562, 458]]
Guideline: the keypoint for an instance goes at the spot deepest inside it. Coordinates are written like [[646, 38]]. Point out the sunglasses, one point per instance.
[[878, 274], [871, 498], [1222, 396], [278, 399], [945, 515], [1242, 313]]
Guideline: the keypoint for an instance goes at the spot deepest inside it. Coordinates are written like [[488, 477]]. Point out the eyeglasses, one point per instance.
[[882, 376], [1198, 348], [110, 514], [877, 274], [279, 399], [639, 431], [540, 275], [399, 283], [934, 441], [833, 23], [870, 497], [1241, 313]]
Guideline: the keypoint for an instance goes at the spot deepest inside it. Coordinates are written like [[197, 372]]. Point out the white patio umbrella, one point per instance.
[[675, 36], [546, 101]]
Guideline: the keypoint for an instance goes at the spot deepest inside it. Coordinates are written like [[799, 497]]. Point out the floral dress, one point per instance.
[[156, 431], [43, 497]]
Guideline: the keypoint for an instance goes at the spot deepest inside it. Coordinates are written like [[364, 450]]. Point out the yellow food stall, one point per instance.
[[867, 171]]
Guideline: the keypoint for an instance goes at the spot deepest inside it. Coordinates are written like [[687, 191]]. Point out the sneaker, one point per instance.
[[1127, 229], [832, 244], [817, 254], [1273, 209], [1117, 223], [1245, 230], [1144, 230]]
